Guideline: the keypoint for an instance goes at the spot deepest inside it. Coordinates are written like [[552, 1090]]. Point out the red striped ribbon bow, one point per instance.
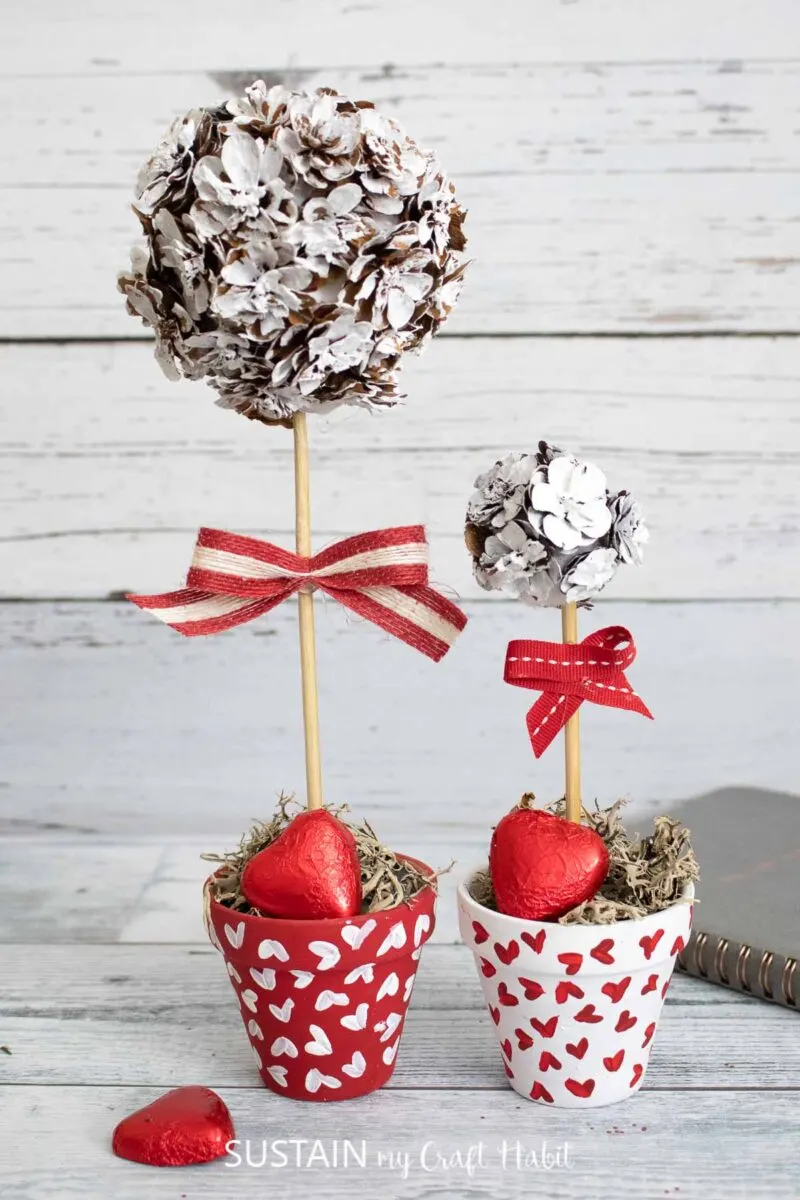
[[382, 576], [569, 674]]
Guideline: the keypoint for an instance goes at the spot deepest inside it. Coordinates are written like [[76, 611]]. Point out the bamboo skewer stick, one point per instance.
[[305, 602], [572, 730]]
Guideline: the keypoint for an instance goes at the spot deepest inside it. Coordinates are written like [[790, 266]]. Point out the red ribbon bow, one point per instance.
[[569, 674], [382, 576]]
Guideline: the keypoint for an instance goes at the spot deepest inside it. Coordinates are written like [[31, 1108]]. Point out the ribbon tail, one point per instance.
[[194, 613], [618, 694], [548, 716], [640, 707], [417, 615]]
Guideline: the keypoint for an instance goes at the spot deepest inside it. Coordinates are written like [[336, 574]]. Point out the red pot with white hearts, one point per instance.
[[574, 1007], [324, 1001]]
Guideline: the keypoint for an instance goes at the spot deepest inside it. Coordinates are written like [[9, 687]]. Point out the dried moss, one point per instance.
[[646, 875], [386, 880]]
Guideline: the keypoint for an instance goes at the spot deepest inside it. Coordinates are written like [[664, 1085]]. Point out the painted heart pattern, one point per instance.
[[575, 1023], [613, 1062], [524, 1039], [615, 991], [583, 1088], [506, 997], [356, 935], [532, 989], [602, 951], [567, 990], [508, 953], [324, 1002], [356, 1020], [578, 1049], [357, 1065], [649, 943], [548, 1060], [389, 987], [535, 941], [572, 962]]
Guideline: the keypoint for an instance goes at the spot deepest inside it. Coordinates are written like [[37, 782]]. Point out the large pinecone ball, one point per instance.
[[297, 246]]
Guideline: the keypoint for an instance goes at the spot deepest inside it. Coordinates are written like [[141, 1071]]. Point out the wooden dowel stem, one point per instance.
[[572, 730], [305, 602]]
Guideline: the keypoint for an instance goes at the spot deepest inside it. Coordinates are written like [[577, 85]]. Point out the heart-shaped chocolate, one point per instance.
[[185, 1126], [310, 871], [542, 866]]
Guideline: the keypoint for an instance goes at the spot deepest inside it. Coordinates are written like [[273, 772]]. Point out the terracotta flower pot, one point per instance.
[[574, 1007], [324, 1002]]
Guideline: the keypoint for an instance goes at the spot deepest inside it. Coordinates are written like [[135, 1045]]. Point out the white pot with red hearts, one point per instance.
[[574, 1007]]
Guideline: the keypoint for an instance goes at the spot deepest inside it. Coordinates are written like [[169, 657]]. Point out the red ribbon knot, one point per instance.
[[593, 669], [382, 576]]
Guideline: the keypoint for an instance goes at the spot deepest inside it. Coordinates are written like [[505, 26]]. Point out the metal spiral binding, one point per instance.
[[694, 961]]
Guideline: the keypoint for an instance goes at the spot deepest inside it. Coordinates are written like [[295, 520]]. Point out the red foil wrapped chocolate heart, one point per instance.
[[188, 1125], [542, 866], [311, 871]]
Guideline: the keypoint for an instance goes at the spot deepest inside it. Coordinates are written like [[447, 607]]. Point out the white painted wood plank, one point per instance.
[[517, 120], [173, 983], [705, 1146], [52, 896], [150, 734], [169, 908], [108, 468], [552, 253], [99, 36], [136, 1026], [600, 193]]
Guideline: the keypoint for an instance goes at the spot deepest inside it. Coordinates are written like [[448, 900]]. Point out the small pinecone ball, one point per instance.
[[296, 246], [545, 528]]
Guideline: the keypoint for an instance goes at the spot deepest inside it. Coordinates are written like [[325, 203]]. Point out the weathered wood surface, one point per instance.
[[153, 1015], [513, 121], [655, 200], [61, 888], [149, 734], [108, 468], [698, 1146], [629, 173], [99, 36]]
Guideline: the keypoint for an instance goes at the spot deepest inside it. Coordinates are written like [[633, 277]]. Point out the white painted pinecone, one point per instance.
[[297, 245], [544, 528]]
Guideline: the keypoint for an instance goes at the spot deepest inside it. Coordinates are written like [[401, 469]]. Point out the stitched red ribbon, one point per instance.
[[382, 576], [593, 669]]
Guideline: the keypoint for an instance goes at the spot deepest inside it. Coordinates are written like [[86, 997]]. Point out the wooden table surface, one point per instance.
[[631, 172]]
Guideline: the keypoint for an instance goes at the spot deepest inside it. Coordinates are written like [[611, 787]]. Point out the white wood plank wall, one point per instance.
[[631, 168], [631, 174]]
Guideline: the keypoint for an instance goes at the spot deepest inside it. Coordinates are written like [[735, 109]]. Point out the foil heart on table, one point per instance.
[[542, 866], [310, 872], [185, 1126]]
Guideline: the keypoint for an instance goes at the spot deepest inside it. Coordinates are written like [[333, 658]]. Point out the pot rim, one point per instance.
[[385, 914], [686, 897]]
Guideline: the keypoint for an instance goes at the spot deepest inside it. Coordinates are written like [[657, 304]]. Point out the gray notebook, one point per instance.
[[746, 932]]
